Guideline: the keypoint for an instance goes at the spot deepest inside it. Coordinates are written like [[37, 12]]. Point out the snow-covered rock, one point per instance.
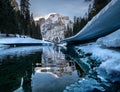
[[112, 40], [110, 58], [53, 27], [105, 22]]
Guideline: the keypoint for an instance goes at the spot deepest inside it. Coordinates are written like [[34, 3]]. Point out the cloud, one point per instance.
[[66, 7]]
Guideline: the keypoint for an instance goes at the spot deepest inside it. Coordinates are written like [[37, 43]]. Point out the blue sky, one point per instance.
[[69, 8]]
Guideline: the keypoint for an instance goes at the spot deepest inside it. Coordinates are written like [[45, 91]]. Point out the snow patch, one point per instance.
[[110, 59], [112, 40], [111, 65], [20, 40]]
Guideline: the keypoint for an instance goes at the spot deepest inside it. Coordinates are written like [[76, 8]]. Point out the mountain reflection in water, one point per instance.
[[36, 69]]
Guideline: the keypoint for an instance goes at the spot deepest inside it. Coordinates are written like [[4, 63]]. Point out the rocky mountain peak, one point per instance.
[[53, 27]]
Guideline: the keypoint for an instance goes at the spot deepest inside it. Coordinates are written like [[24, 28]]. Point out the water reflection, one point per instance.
[[92, 78], [39, 69], [14, 70], [56, 62]]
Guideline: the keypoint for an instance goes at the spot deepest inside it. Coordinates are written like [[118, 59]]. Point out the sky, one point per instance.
[[69, 8]]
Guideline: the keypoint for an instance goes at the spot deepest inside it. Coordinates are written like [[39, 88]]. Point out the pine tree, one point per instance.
[[26, 16], [97, 6], [7, 17], [79, 23], [39, 35], [22, 7], [18, 22], [35, 31]]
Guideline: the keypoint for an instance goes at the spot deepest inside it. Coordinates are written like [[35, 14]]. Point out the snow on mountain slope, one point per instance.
[[105, 22], [53, 27], [112, 40]]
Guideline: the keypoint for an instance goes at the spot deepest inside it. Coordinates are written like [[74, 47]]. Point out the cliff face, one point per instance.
[[53, 27]]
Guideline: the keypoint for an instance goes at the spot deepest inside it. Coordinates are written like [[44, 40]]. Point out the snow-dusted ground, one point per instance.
[[12, 40], [20, 40], [18, 51], [110, 58]]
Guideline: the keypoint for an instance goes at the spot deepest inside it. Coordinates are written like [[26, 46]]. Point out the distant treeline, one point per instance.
[[18, 21], [94, 9]]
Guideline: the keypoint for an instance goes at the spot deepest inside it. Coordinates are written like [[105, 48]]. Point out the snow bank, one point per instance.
[[20, 40], [112, 40], [110, 58], [105, 22], [111, 65]]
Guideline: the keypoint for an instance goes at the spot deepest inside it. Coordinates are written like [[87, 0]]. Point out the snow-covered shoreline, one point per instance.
[[105, 49], [20, 40], [109, 58], [16, 40], [107, 72]]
